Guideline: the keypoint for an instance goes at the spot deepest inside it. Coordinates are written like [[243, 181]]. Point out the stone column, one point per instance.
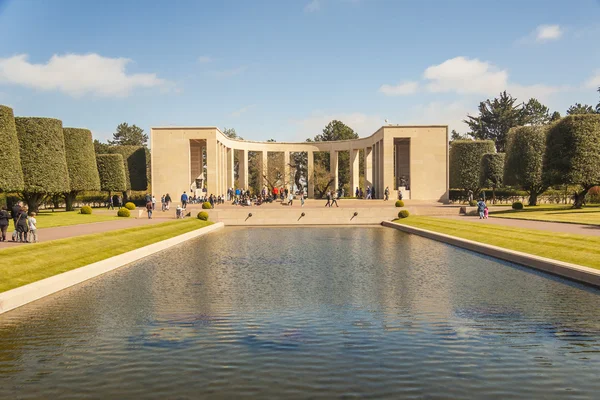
[[224, 169], [368, 155], [310, 175], [382, 169], [333, 169], [243, 157], [230, 168], [354, 171], [263, 170], [287, 181], [212, 165]]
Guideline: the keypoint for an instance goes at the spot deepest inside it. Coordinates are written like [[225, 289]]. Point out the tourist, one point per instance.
[[386, 193], [184, 200], [328, 204], [15, 214], [111, 205], [153, 203], [357, 193], [486, 212], [4, 217], [400, 195], [301, 198], [21, 225], [119, 201], [368, 192], [163, 205], [481, 208], [168, 200], [290, 198], [275, 192], [179, 212], [334, 198], [32, 224], [149, 208]]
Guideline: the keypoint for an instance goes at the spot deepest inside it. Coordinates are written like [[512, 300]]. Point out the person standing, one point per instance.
[[290, 198], [4, 217], [119, 201], [386, 193], [32, 224], [357, 193], [21, 225], [301, 198], [15, 214], [481, 208], [149, 208], [111, 205], [153, 203], [168, 200], [163, 205], [184, 200]]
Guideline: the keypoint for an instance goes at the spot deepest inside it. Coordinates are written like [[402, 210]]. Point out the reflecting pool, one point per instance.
[[308, 312]]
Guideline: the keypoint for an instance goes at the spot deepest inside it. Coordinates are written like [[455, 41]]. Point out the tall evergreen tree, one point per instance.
[[535, 113], [578, 109], [129, 136]]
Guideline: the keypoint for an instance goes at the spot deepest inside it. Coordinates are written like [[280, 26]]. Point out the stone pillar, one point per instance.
[[212, 165], [230, 168], [243, 158], [287, 181], [310, 175], [384, 179], [333, 169], [375, 165], [354, 173], [368, 155], [263, 170], [224, 169]]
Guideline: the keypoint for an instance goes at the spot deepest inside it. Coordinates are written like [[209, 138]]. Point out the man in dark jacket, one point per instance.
[[15, 214], [4, 217]]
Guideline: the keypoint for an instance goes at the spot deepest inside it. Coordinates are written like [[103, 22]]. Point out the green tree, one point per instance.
[[598, 105], [230, 133], [465, 163], [492, 171], [454, 135], [101, 148], [577, 109], [535, 113], [129, 136], [524, 161], [573, 154], [134, 162], [111, 171], [11, 173], [555, 116], [495, 119], [81, 163], [42, 150]]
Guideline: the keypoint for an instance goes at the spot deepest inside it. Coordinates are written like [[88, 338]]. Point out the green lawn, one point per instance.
[[29, 263], [577, 249], [49, 219], [589, 215]]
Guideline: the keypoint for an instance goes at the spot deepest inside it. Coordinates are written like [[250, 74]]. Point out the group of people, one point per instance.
[[482, 209], [25, 224], [370, 193]]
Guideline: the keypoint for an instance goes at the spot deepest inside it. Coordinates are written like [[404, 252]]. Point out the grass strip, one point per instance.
[[589, 215], [32, 262], [49, 219], [576, 249]]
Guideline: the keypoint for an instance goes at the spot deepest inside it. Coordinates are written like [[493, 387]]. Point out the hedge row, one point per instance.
[[81, 160], [134, 161], [465, 163], [11, 176], [111, 172]]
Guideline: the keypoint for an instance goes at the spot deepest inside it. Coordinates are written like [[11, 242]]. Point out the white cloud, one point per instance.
[[313, 6], [464, 75], [400, 89], [76, 75], [242, 110], [539, 91], [594, 81], [227, 73], [363, 124], [545, 33], [205, 59]]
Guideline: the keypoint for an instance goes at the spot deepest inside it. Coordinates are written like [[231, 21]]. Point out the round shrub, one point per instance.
[[403, 214], [517, 205], [130, 206], [123, 212], [472, 203], [203, 215], [399, 203], [206, 205], [85, 210]]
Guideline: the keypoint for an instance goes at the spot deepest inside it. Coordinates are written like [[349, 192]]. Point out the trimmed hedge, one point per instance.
[[465, 162], [130, 206], [85, 210], [11, 173], [206, 205], [134, 161], [203, 215], [492, 170], [403, 214], [517, 205], [123, 212], [81, 160], [42, 150], [111, 172], [399, 203]]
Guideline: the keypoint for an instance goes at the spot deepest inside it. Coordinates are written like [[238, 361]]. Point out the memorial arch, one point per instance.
[[414, 158]]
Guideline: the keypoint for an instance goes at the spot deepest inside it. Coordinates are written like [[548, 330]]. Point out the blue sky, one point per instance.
[[283, 69]]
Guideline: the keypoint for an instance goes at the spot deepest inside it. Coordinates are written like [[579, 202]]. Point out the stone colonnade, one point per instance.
[[415, 156]]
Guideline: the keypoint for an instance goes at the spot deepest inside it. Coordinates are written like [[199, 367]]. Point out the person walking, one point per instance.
[[334, 197], [4, 217], [15, 211], [301, 198], [328, 204], [168, 200], [184, 200], [481, 208], [111, 204], [368, 192], [149, 208], [153, 203], [163, 205], [32, 225], [357, 193], [386, 193], [21, 225], [290, 198]]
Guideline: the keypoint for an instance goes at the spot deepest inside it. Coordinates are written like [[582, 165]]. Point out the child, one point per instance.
[[179, 211], [32, 228], [485, 213]]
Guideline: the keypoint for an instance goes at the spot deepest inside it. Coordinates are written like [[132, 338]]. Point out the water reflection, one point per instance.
[[307, 312]]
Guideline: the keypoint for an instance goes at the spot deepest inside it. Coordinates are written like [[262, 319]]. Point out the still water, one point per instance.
[[308, 312]]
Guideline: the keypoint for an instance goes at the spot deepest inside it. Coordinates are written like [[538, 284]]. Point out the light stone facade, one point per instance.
[[413, 158]]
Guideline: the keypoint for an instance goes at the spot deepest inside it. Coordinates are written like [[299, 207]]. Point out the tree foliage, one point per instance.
[[492, 170], [134, 162], [81, 163], [555, 116], [577, 109], [524, 161], [11, 174], [465, 162], [129, 136], [573, 153], [535, 113], [112, 172]]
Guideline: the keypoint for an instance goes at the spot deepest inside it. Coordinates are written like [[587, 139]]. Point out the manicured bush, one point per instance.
[[403, 214], [111, 172], [465, 162], [81, 163], [123, 212], [399, 203], [203, 215], [11, 173], [134, 161], [130, 206], [42, 151], [206, 205], [517, 205], [523, 164], [85, 210], [573, 153], [492, 171], [472, 203]]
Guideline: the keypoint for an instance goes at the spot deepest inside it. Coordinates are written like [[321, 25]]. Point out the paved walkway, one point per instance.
[[61, 232], [559, 227]]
